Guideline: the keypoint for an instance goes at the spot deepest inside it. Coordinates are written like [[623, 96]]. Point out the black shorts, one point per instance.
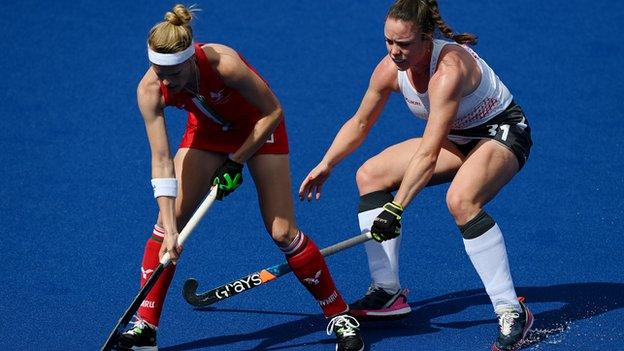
[[510, 128]]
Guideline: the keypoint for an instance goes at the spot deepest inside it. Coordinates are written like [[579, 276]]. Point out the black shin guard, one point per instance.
[[374, 200], [477, 226]]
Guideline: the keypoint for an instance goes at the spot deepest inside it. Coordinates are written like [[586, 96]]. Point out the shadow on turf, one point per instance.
[[580, 301]]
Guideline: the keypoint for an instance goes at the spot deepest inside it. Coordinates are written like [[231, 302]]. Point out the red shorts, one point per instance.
[[204, 134]]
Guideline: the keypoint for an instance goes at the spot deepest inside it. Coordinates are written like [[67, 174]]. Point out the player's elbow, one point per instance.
[[361, 126], [278, 113]]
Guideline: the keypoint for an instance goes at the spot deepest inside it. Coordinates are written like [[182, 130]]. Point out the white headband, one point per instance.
[[170, 59]]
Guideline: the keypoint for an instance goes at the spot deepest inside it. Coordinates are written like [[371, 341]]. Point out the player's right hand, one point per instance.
[[170, 245], [313, 183]]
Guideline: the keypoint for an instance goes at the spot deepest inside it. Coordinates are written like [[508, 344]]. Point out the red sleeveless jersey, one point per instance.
[[220, 119]]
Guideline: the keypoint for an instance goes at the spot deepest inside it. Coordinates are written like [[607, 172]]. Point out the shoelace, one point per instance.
[[138, 326], [506, 320], [371, 289], [347, 325]]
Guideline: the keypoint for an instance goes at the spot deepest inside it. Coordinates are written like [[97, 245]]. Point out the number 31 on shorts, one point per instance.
[[493, 129]]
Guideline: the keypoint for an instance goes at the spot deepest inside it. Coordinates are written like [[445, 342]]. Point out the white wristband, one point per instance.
[[165, 187]]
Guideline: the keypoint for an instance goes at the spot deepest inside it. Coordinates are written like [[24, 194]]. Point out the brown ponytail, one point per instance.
[[425, 15]]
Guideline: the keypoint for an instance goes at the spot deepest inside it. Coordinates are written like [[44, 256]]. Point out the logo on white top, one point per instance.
[[410, 101]]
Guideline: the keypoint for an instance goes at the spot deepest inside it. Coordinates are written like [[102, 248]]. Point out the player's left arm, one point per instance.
[[236, 74], [445, 92]]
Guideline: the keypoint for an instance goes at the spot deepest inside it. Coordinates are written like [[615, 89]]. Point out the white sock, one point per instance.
[[383, 258], [489, 257]]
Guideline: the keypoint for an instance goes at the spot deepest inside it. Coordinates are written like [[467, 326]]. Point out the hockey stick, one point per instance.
[[257, 278], [164, 262]]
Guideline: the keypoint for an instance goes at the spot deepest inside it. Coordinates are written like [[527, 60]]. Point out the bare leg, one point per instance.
[[194, 169], [486, 170], [271, 174], [385, 170]]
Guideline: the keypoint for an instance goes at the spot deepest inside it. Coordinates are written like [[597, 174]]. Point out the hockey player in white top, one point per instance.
[[475, 137], [489, 98]]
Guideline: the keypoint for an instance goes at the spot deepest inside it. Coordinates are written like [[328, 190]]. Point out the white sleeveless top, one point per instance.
[[489, 99]]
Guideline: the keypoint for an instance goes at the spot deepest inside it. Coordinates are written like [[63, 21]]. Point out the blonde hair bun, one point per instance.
[[174, 34], [180, 15]]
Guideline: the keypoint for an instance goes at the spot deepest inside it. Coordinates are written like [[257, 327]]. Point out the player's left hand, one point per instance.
[[228, 177], [388, 224]]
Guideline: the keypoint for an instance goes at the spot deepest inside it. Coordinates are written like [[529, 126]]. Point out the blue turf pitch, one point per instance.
[[76, 205]]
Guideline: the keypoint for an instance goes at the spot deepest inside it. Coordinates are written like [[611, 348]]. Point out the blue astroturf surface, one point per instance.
[[76, 206]]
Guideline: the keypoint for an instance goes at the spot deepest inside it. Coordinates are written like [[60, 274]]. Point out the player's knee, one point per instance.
[[281, 238], [292, 244], [282, 233], [363, 176], [369, 176], [477, 226], [374, 200], [461, 207]]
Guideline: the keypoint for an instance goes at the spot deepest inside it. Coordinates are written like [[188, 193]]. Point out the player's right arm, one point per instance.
[[151, 104], [351, 135]]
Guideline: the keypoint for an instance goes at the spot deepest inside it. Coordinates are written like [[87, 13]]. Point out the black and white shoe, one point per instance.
[[347, 332], [513, 327], [141, 337], [380, 304]]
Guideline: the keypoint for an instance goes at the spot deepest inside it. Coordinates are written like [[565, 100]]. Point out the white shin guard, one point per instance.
[[383, 258], [488, 255]]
